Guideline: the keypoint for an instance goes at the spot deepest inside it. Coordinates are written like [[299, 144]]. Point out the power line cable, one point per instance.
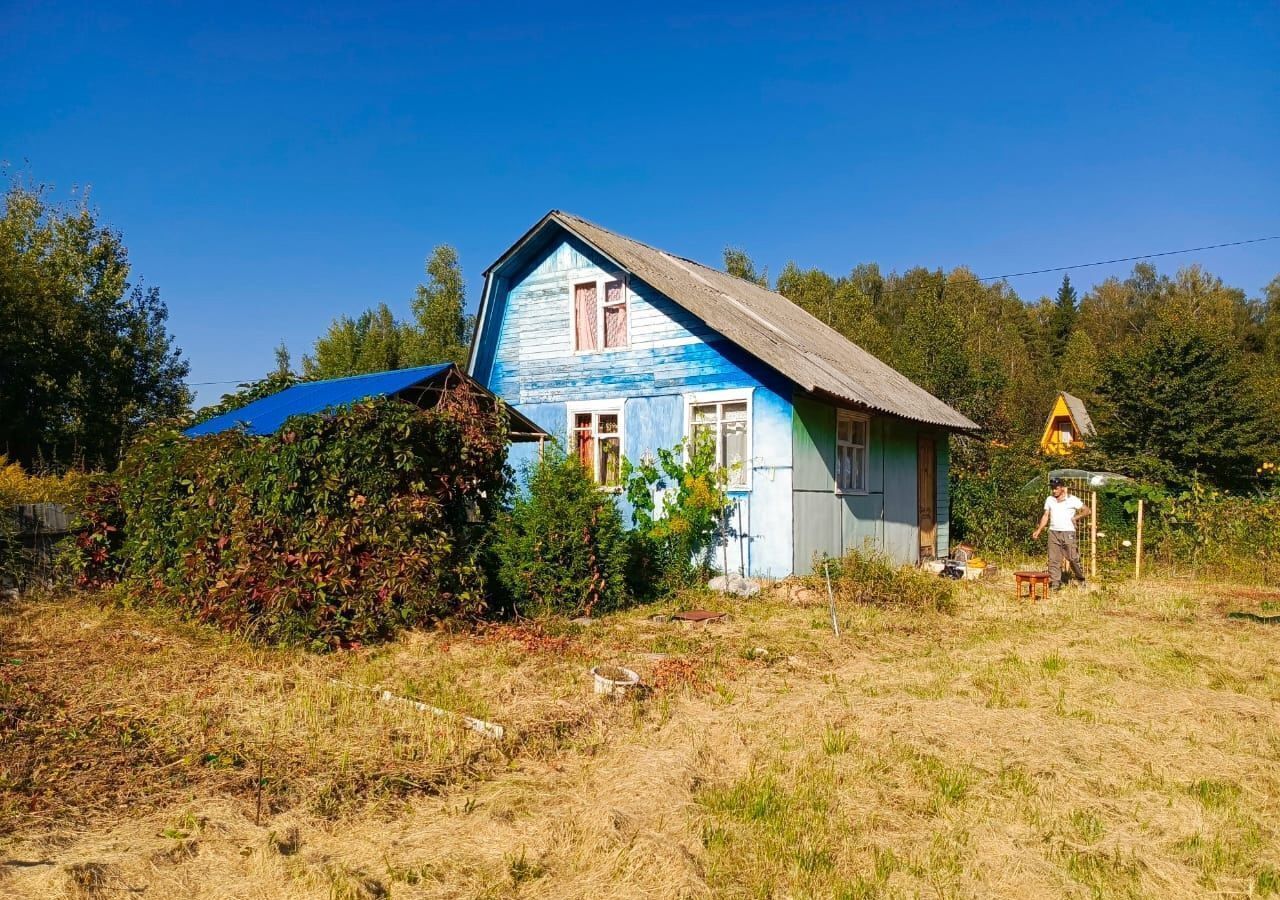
[[975, 280]]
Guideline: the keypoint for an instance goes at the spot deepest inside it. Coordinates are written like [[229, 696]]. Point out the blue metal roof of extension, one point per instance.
[[265, 416]]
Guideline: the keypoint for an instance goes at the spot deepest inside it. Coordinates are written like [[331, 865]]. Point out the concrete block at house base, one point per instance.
[[734, 584]]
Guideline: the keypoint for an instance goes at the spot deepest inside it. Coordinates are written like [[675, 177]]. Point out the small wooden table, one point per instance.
[[1036, 582]]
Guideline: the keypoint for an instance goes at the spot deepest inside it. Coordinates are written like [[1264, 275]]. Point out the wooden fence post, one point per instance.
[[1093, 535], [1137, 556]]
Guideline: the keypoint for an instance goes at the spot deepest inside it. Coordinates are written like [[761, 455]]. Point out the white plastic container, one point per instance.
[[613, 680]]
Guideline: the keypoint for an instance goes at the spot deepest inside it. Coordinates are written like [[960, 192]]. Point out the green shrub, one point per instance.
[[562, 548], [1212, 533], [872, 578], [341, 528], [672, 545], [991, 505]]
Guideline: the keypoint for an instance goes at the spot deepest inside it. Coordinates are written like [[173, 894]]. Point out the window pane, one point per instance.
[[615, 326], [607, 423], [737, 411], [613, 292], [610, 462], [585, 447], [735, 451], [860, 432], [704, 414], [703, 436], [857, 480], [844, 430], [584, 302]]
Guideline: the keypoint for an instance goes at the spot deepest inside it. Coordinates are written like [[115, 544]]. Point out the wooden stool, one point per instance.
[[1036, 582]]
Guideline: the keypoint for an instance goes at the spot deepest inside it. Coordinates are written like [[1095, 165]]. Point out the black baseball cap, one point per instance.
[[1057, 482]]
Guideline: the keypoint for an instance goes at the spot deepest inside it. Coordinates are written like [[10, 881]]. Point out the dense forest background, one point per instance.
[[1181, 373]]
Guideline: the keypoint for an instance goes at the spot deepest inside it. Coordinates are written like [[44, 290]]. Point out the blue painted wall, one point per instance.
[[525, 355]]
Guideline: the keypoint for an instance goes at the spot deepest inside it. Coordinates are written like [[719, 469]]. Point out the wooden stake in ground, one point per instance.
[[831, 598], [1137, 556], [1093, 535]]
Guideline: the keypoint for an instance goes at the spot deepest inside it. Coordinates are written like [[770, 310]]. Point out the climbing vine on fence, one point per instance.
[[341, 528]]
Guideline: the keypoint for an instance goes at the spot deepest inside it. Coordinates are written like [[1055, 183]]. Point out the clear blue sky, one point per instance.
[[271, 171]]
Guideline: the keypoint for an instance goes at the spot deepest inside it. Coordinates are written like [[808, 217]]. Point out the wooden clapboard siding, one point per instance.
[[525, 355]]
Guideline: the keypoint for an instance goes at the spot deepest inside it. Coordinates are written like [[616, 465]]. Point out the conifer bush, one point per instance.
[[562, 548]]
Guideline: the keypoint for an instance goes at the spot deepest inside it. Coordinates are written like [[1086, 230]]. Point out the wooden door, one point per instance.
[[926, 495]]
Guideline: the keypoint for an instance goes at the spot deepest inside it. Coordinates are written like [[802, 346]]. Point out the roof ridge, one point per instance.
[[656, 249], [765, 323]]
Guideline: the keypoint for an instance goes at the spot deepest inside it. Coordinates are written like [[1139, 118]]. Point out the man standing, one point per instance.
[[1061, 512]]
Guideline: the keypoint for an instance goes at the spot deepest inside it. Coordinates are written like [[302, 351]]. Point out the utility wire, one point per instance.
[[975, 280], [1107, 262]]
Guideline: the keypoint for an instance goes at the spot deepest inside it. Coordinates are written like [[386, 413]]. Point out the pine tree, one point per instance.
[[1181, 403], [1062, 318]]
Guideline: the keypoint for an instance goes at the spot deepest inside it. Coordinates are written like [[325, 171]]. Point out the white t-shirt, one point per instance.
[[1061, 512]]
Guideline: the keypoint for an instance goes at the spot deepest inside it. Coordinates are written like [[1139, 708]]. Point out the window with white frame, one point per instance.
[[851, 452], [599, 314], [597, 440], [725, 425]]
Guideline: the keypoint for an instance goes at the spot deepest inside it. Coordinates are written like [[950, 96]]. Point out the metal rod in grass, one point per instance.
[[724, 551], [831, 596]]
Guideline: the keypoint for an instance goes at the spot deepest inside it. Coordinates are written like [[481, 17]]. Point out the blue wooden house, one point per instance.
[[619, 348]]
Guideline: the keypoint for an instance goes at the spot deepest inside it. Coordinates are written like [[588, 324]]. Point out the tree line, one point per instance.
[[1180, 372], [87, 359]]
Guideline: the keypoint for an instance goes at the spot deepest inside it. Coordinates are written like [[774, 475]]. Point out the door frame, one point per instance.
[[926, 487]]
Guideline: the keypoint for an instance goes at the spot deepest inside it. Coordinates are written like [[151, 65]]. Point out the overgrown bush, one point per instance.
[[340, 528], [678, 503], [991, 506], [1207, 532], [17, 486], [562, 547], [871, 578], [94, 557]]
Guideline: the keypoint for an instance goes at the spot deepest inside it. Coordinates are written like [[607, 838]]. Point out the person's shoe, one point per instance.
[[1055, 587]]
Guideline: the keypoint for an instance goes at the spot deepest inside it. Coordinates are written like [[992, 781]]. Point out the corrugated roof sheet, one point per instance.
[[265, 416], [770, 327], [1079, 415]]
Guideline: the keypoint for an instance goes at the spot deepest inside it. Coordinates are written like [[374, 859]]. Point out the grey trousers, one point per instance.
[[1062, 545]]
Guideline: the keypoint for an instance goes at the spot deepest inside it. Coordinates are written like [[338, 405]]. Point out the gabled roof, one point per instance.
[[1079, 415], [265, 416], [766, 324]]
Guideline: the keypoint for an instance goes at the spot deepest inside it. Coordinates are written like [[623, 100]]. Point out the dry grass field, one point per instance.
[[1119, 743]]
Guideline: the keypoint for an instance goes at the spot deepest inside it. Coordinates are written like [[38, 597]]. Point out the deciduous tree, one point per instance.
[[86, 357]]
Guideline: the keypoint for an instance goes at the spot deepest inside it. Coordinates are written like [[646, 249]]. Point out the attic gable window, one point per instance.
[[599, 315]]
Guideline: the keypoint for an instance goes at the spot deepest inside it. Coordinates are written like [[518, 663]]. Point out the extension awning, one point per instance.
[[266, 415]]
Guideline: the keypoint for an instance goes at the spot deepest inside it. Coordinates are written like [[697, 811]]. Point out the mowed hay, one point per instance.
[[1119, 743]]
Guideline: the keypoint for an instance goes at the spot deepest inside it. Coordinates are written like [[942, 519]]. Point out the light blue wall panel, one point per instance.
[[525, 355]]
